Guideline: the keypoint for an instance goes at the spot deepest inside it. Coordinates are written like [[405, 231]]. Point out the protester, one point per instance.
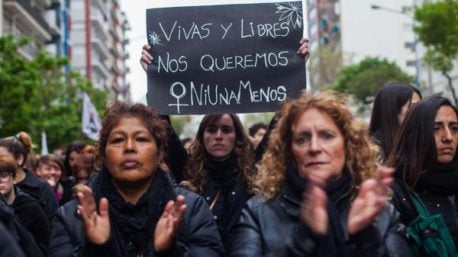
[[84, 168], [425, 161], [221, 160], [74, 149], [256, 133], [133, 208], [320, 192], [50, 169], [29, 211], [390, 107], [19, 146], [220, 167]]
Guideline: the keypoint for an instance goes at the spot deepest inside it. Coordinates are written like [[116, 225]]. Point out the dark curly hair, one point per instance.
[[118, 110]]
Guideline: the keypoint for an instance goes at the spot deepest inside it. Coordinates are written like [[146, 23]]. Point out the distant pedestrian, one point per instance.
[[132, 208], [256, 133], [20, 146], [391, 105]]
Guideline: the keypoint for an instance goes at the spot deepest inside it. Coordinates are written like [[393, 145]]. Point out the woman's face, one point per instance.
[[6, 182], [131, 153], [446, 134], [406, 107], [318, 146], [50, 172], [219, 137], [72, 158]]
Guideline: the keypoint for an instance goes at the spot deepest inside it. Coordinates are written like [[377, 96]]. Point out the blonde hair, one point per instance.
[[360, 152]]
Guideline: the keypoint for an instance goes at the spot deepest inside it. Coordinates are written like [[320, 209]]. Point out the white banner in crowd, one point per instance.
[[91, 124], [44, 143]]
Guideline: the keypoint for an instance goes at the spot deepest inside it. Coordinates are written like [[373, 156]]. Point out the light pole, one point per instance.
[[405, 11]]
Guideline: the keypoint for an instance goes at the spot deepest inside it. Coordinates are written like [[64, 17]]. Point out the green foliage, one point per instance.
[[325, 66], [364, 79], [38, 96], [437, 28], [252, 118], [179, 122]]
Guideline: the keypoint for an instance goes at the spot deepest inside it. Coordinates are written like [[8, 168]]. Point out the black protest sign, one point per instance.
[[225, 58]]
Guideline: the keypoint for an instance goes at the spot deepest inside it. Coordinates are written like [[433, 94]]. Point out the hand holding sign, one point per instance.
[[146, 58], [241, 60]]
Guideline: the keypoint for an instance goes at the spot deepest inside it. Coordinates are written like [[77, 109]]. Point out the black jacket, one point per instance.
[[8, 246], [41, 191], [227, 209], [273, 228], [33, 218], [435, 203], [198, 234], [20, 234]]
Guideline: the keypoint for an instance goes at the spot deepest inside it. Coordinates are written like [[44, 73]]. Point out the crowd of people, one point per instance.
[[316, 181]]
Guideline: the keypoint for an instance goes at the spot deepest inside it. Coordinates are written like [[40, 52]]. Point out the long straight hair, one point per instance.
[[415, 146], [195, 171], [384, 124]]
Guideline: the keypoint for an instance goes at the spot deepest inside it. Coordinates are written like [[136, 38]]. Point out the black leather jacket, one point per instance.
[[273, 228], [198, 234]]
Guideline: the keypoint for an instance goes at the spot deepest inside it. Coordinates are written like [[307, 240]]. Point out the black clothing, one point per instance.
[[67, 186], [8, 246], [132, 226], [437, 195], [33, 218], [262, 146], [224, 179], [22, 237], [137, 221], [41, 191], [274, 227], [176, 156]]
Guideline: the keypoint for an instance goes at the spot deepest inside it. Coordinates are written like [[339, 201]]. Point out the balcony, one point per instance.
[[100, 69], [22, 12], [99, 4], [44, 3], [100, 47], [51, 18], [126, 55], [99, 25]]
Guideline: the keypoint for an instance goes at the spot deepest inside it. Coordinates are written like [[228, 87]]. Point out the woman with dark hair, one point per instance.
[[320, 192], [84, 169], [390, 107], [132, 208], [220, 167], [426, 162], [20, 146], [73, 150], [28, 211]]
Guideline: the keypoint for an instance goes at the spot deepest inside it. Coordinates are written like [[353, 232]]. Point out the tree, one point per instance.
[[437, 28], [179, 122], [252, 118], [38, 96], [324, 66], [364, 79]]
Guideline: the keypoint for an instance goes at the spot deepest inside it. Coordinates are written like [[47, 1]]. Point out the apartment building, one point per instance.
[[91, 33]]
